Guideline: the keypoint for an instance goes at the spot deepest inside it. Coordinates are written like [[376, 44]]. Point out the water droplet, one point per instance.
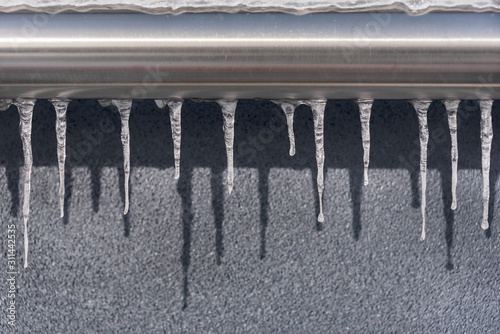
[[124, 107], [318, 111], [451, 108], [61, 106], [365, 110], [421, 107], [25, 108], [486, 139], [228, 111]]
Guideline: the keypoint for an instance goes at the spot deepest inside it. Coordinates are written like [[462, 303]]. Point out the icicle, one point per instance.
[[486, 139], [25, 108], [104, 103], [288, 107], [5, 104], [228, 110], [451, 108], [421, 107], [365, 110], [318, 111], [61, 105], [161, 103], [175, 106], [124, 107]]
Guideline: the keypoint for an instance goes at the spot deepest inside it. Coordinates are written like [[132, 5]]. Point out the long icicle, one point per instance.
[[365, 111], [486, 139], [228, 111], [288, 107], [451, 109], [61, 106], [25, 108], [124, 107], [175, 107], [421, 107], [318, 111]]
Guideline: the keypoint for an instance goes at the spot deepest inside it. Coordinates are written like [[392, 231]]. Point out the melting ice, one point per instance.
[[25, 108], [365, 111], [5, 104], [318, 111], [175, 106], [451, 109], [124, 107], [421, 107], [486, 139], [288, 107], [61, 106], [228, 111]]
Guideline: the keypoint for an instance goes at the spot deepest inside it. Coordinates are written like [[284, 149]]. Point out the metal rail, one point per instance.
[[341, 56]]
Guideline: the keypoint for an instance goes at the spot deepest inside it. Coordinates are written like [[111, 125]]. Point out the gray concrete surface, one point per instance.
[[191, 259]]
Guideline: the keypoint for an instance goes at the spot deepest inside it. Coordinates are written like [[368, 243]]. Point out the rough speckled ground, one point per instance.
[[191, 259]]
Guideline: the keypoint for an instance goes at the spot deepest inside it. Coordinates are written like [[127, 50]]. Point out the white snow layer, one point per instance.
[[414, 7]]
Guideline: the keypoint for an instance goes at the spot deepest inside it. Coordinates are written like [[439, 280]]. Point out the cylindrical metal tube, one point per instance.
[[382, 55]]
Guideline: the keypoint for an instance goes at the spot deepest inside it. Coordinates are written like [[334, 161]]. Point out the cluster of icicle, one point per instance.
[[228, 107]]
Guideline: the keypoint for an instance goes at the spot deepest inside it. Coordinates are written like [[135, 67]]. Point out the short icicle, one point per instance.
[[486, 139], [61, 106], [421, 107], [174, 106], [124, 107], [288, 107], [318, 111], [365, 111], [5, 104], [228, 111], [451, 109], [25, 108]]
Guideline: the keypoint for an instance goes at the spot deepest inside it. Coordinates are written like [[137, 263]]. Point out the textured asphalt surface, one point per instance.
[[191, 259]]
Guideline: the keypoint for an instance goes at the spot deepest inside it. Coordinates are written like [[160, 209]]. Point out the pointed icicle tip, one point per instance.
[[228, 112]]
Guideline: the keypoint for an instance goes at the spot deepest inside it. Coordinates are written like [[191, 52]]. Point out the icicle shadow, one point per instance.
[[356, 181], [184, 188], [264, 208], [217, 189]]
